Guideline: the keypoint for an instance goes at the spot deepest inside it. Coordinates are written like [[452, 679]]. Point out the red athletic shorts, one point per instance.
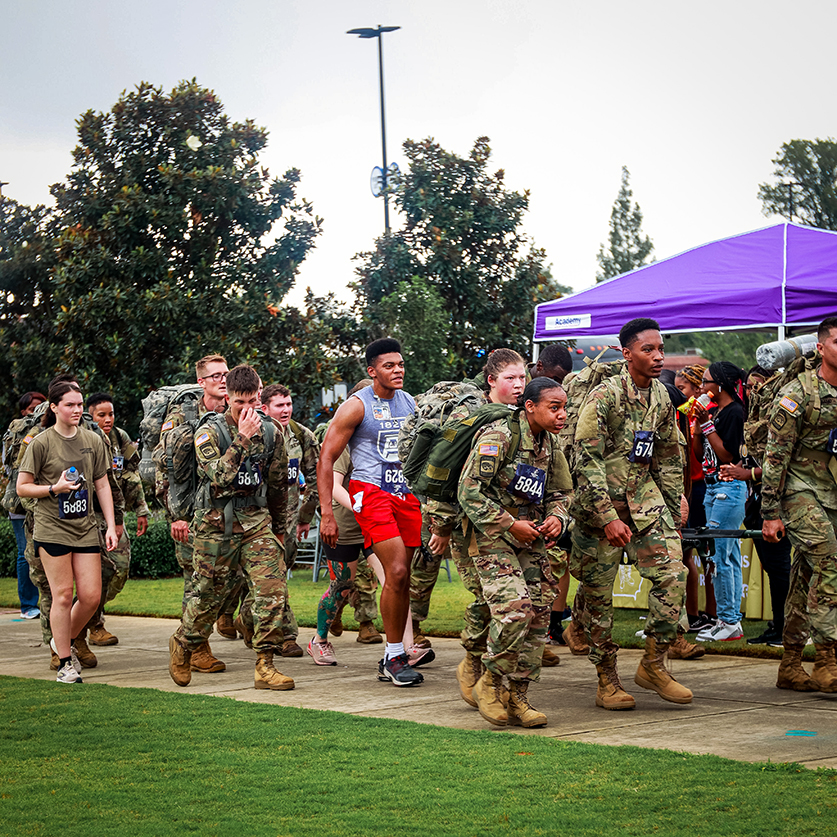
[[382, 516]]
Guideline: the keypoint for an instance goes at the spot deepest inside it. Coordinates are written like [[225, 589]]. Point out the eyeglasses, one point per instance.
[[218, 376], [708, 381]]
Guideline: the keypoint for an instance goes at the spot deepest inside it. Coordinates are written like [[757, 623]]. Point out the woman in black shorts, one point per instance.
[[66, 535]]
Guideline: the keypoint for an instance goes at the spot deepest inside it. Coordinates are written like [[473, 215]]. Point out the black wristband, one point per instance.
[[51, 492]]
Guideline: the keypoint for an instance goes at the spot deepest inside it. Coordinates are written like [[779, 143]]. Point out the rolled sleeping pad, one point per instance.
[[780, 353]]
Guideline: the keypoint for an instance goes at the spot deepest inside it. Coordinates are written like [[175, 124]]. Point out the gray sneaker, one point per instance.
[[68, 674], [322, 653], [73, 657]]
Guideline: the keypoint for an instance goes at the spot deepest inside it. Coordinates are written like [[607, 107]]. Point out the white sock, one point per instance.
[[394, 649]]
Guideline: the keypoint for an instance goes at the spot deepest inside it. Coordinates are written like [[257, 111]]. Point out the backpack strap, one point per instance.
[[297, 431]]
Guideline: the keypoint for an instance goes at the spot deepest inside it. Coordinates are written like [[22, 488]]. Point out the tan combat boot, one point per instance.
[[651, 673], [100, 636], [824, 675], [576, 641], [468, 671], [336, 628], [85, 656], [792, 675], [55, 661], [290, 648], [609, 693], [419, 638], [488, 696], [369, 634], [550, 658], [682, 649], [226, 627], [267, 677], [179, 659], [245, 631], [205, 661], [520, 711]]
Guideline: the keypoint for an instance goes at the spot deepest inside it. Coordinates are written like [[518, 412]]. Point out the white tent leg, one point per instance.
[[781, 332], [536, 350]]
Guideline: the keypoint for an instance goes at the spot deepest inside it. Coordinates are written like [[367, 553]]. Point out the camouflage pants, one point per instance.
[[362, 597], [261, 558], [39, 578], [424, 573], [474, 636], [657, 554], [812, 598], [118, 575], [183, 554], [238, 596], [519, 597]]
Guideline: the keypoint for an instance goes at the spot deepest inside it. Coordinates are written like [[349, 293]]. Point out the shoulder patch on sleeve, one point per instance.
[[204, 437], [167, 426], [588, 423], [779, 420], [789, 404], [489, 450], [28, 439]]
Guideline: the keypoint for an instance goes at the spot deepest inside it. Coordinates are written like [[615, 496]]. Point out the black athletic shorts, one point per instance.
[[345, 553], [56, 550]]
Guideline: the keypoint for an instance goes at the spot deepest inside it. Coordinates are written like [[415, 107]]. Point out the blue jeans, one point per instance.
[[724, 504], [27, 592]]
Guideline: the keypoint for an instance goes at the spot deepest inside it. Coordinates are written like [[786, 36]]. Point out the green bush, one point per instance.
[[8, 549], [152, 555]]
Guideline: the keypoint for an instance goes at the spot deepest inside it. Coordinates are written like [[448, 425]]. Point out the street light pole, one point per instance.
[[378, 33]]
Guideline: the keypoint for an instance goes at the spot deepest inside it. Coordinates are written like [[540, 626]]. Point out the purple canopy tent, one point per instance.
[[776, 277]]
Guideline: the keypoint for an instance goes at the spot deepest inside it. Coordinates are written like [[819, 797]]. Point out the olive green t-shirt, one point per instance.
[[46, 457], [347, 526]]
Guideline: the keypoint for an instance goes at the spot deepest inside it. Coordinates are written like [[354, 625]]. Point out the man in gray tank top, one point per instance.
[[389, 516]]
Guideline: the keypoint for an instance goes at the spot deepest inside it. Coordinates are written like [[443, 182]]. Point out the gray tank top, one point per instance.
[[374, 444]]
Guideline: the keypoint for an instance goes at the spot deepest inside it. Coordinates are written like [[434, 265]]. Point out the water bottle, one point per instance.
[[705, 400], [301, 480], [780, 353], [71, 475]]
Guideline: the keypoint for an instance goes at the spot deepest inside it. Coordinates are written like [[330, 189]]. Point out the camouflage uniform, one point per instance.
[[126, 459], [644, 495], [513, 576], [445, 519], [799, 486], [182, 551], [36, 568], [424, 573], [232, 530], [362, 596]]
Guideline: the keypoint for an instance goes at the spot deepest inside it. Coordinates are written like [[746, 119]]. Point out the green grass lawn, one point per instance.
[[161, 597], [100, 760]]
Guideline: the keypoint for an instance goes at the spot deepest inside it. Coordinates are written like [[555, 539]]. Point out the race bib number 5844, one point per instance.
[[528, 483]]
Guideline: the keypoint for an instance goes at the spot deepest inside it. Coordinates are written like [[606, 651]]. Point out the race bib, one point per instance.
[[643, 448], [831, 445], [293, 471], [249, 475], [392, 478], [118, 463], [528, 483], [73, 506]]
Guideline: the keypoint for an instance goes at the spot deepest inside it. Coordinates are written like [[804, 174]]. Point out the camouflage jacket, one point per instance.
[[441, 516], [533, 485], [301, 457], [609, 485], [126, 471], [795, 458], [115, 488], [220, 473]]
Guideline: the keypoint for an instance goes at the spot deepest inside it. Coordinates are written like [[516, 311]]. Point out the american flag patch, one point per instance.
[[204, 437], [167, 426], [489, 450], [27, 439], [789, 404]]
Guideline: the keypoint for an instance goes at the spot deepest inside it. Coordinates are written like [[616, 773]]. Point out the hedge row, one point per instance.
[[152, 555]]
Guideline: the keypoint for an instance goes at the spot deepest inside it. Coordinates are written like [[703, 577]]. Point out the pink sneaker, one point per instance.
[[419, 656], [322, 652]]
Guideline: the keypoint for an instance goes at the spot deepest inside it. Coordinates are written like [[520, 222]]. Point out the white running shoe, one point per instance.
[[322, 653], [722, 632], [68, 674], [73, 657]]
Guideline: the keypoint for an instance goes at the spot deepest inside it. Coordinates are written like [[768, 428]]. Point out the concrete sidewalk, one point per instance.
[[737, 712]]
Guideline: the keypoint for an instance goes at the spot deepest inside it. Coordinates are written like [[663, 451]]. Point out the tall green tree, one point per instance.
[[627, 247], [462, 235], [169, 241], [805, 187], [414, 313]]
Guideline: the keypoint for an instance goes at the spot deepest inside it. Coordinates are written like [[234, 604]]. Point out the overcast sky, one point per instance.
[[695, 99]]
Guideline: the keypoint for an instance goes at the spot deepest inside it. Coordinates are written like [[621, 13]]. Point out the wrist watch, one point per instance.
[[51, 492]]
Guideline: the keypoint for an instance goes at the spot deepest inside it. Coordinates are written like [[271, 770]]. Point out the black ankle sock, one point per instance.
[[63, 661], [555, 622]]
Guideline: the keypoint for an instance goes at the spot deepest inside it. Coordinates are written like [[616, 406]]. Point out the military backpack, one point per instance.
[[440, 451], [155, 407], [578, 388]]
